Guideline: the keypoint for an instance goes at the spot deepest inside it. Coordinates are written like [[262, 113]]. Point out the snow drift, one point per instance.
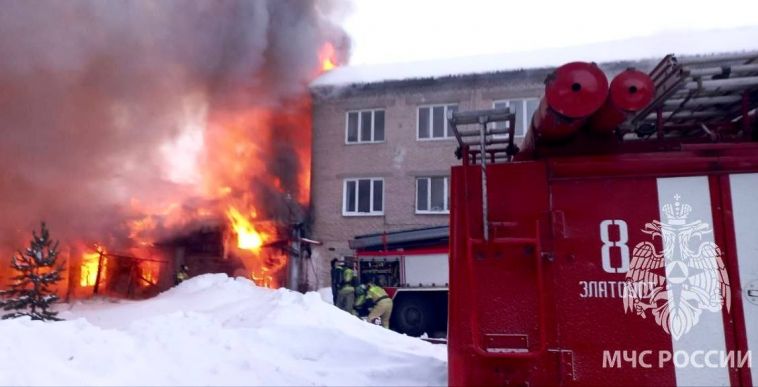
[[214, 330]]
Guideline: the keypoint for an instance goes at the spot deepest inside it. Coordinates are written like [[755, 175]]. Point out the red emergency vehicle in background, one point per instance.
[[412, 266], [620, 246]]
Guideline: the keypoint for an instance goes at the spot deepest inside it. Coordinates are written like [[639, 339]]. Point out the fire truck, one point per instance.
[[620, 245], [412, 266]]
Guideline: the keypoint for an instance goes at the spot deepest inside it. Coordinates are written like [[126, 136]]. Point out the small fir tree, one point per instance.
[[30, 294]]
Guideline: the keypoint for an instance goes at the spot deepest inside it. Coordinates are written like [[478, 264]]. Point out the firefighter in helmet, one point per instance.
[[182, 275], [346, 293], [382, 303], [362, 303]]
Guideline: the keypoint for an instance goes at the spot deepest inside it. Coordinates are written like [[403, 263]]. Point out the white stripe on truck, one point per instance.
[[708, 333], [745, 205]]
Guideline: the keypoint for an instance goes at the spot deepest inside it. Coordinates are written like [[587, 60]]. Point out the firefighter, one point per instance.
[[362, 303], [382, 303], [336, 277], [182, 274], [346, 294]]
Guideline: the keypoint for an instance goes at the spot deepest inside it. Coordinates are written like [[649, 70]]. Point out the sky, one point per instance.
[[393, 31]]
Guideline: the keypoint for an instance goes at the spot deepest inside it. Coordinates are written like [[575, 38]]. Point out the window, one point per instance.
[[432, 121], [363, 197], [524, 109], [432, 195], [365, 126]]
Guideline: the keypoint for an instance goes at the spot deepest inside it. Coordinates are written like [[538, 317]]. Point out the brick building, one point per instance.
[[382, 151], [381, 148]]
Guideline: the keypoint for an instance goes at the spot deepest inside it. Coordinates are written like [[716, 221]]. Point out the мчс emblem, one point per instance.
[[677, 284]]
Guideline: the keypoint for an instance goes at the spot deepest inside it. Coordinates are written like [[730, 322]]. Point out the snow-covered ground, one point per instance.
[[214, 330]]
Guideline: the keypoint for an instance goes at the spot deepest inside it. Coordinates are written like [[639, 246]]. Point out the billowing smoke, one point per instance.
[[107, 107]]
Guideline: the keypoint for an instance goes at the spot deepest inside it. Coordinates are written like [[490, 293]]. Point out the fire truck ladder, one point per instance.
[[711, 97], [489, 142]]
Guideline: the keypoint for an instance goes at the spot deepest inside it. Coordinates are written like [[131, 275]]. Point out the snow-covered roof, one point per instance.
[[648, 47]]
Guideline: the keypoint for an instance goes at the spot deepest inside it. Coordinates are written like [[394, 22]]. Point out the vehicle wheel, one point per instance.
[[412, 316]]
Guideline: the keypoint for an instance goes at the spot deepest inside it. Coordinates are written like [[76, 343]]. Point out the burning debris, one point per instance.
[[142, 130]]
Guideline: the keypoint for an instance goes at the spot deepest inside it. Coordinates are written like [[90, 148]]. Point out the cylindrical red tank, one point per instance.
[[630, 91], [573, 92]]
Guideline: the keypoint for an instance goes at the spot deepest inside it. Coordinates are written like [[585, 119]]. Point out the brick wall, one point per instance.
[[399, 160]]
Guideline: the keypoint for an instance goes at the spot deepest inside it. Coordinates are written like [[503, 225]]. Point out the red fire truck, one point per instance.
[[412, 265], [620, 246]]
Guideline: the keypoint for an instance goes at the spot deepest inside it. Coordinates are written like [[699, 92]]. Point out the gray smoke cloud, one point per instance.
[[90, 91]]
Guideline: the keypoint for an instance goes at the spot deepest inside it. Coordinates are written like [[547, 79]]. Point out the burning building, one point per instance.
[[154, 134]]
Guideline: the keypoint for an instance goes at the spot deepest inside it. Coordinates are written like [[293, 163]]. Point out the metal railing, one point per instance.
[[709, 96], [483, 145], [495, 144]]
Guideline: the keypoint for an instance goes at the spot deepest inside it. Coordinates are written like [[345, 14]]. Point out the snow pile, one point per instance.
[[214, 330], [326, 295], [649, 47]]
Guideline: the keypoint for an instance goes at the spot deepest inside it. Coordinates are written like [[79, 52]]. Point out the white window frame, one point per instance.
[[345, 212], [373, 126], [431, 125], [527, 119], [446, 196]]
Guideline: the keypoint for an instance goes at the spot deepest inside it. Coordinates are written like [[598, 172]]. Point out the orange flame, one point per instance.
[[264, 266], [248, 238], [326, 54], [233, 144], [90, 263], [149, 272]]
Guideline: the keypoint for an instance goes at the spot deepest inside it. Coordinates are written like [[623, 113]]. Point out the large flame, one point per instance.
[[225, 180], [264, 265], [233, 183], [248, 238], [165, 135], [149, 272], [91, 262]]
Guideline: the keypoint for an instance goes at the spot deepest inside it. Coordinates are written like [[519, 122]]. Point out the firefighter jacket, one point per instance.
[[347, 278], [376, 293], [337, 275], [181, 277], [360, 296]]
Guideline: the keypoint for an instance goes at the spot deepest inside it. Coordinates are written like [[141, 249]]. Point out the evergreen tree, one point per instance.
[[30, 293]]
